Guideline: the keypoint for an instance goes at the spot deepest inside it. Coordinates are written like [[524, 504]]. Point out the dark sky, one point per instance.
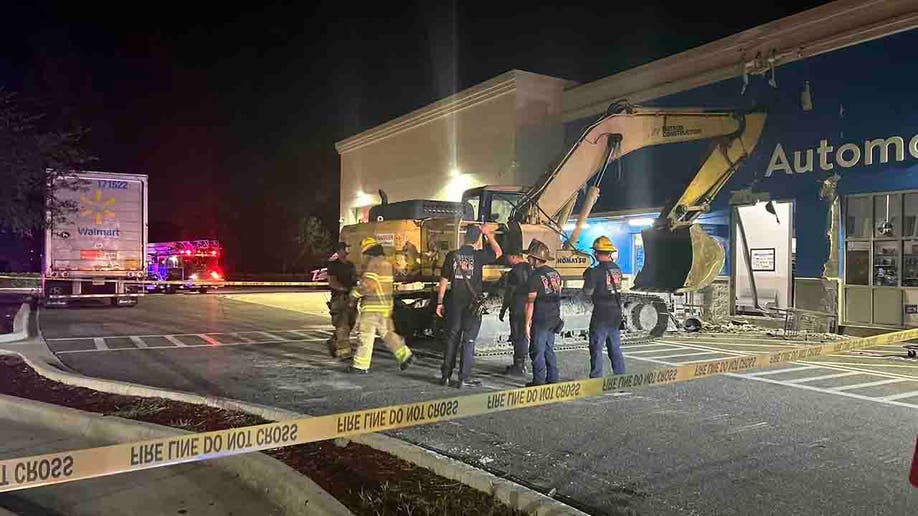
[[234, 113]]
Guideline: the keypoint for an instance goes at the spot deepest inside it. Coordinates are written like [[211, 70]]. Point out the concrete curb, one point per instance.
[[284, 486], [508, 492], [20, 325]]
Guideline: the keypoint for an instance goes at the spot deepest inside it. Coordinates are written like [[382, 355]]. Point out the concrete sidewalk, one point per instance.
[[194, 489]]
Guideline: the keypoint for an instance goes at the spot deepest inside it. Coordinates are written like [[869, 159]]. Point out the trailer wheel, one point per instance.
[[170, 289], [202, 290]]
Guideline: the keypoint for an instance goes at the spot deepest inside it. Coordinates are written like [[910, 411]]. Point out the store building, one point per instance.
[[504, 131], [823, 215]]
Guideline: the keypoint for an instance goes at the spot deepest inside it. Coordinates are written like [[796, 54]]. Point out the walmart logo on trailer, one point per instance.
[[96, 208], [877, 150]]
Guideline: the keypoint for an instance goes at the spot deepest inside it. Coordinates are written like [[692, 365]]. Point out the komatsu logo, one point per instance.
[[572, 260], [846, 156]]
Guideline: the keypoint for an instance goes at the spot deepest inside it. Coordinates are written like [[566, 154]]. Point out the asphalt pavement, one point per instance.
[[833, 435]]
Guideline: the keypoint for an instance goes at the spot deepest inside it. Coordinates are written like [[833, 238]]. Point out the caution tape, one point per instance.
[[55, 468]]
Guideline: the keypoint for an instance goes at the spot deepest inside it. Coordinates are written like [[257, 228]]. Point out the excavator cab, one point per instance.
[[679, 260]]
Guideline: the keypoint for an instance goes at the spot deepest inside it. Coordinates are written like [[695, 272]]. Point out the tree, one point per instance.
[[32, 159], [312, 242]]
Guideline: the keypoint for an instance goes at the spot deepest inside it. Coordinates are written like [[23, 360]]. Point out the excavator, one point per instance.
[[679, 255]]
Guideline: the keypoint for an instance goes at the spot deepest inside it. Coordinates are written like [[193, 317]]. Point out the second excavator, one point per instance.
[[679, 255]]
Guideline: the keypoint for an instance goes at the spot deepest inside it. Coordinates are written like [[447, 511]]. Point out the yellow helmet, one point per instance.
[[367, 243], [603, 244]]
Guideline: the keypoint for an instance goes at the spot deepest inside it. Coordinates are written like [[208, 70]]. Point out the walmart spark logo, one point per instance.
[[96, 208]]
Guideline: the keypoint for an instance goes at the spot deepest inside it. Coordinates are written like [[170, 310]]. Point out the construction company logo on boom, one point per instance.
[[878, 150]]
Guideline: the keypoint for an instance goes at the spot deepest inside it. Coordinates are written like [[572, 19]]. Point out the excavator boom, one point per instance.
[[678, 255]]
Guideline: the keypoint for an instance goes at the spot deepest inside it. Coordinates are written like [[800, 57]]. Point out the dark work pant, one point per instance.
[[542, 352], [518, 333], [608, 337], [461, 332]]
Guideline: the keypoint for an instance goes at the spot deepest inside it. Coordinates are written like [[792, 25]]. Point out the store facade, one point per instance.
[[828, 200]]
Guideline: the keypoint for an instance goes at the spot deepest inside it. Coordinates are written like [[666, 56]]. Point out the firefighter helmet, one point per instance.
[[368, 243], [604, 245], [539, 251]]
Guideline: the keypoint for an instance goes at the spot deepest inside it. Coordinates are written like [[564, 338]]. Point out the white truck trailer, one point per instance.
[[99, 251]]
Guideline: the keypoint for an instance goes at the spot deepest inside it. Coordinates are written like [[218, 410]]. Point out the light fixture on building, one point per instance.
[[640, 222], [571, 225], [364, 199]]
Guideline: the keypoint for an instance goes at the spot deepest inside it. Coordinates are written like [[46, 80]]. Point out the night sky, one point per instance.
[[234, 113]]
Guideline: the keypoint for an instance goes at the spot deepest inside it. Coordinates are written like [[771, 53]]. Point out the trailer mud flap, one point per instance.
[[683, 260]]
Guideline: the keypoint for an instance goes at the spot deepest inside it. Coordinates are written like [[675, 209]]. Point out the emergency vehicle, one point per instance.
[[194, 263]]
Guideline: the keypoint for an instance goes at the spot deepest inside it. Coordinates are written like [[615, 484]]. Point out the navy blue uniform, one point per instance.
[[546, 315], [515, 299], [463, 269], [603, 283]]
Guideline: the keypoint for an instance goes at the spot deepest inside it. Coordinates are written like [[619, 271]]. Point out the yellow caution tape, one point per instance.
[[54, 468]]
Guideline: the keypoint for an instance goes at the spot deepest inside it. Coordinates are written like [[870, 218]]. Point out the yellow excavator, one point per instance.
[[679, 255]]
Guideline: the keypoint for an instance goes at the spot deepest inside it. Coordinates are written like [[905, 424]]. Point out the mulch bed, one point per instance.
[[366, 481]]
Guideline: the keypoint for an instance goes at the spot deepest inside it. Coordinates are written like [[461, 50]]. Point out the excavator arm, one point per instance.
[[673, 236]]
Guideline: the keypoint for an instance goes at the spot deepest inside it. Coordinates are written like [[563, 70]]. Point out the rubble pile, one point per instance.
[[735, 327]]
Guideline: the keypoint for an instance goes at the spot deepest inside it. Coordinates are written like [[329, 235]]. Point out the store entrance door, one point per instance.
[[762, 236]]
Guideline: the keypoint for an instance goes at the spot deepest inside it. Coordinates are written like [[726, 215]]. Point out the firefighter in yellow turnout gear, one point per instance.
[[375, 294]]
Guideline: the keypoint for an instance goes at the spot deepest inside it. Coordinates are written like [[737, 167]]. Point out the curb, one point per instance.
[[20, 325], [508, 492], [281, 484]]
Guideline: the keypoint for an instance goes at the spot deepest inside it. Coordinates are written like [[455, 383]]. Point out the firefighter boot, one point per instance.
[[517, 369]]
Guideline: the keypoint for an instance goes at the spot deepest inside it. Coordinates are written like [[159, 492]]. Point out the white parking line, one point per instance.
[[720, 350], [657, 350], [690, 354], [868, 384], [208, 339], [900, 396], [100, 343], [175, 341], [823, 377], [267, 335], [884, 401], [787, 370], [138, 342], [241, 337], [185, 346]]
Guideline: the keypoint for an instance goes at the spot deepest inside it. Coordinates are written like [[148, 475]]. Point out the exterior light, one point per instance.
[[640, 222]]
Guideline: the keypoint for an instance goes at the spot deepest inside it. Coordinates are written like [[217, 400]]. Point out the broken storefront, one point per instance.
[[825, 210]]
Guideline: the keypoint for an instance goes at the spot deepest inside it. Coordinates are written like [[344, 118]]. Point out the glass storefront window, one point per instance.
[[858, 221], [857, 263], [886, 215], [910, 263], [911, 216], [886, 264]]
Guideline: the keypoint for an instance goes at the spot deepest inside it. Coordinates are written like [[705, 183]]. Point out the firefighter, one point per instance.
[[342, 277], [462, 270], [375, 294], [603, 283], [543, 314], [514, 283]]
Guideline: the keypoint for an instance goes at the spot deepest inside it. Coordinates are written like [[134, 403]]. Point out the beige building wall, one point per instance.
[[503, 131]]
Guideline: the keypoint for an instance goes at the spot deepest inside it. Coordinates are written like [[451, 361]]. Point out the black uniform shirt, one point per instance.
[[604, 283], [464, 264], [344, 272], [516, 279], [546, 283]]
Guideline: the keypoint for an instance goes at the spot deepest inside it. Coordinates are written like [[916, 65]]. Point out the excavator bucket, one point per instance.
[[683, 260]]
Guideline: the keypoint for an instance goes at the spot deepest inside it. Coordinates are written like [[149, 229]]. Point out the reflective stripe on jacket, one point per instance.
[[376, 286]]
